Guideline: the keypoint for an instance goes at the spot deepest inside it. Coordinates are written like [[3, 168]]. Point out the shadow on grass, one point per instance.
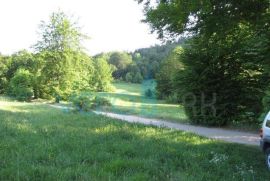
[[47, 144]]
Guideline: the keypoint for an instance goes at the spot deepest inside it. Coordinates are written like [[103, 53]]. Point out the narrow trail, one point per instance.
[[215, 133]]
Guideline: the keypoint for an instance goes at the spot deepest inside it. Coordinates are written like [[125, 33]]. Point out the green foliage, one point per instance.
[[84, 73], [143, 62], [100, 102], [149, 93], [171, 18], [138, 78], [82, 101], [128, 77], [85, 101], [148, 60], [120, 60], [232, 84], [3, 72], [102, 76], [266, 105], [21, 85], [225, 62], [166, 88], [66, 66], [21, 60], [59, 66], [9, 65], [134, 77]]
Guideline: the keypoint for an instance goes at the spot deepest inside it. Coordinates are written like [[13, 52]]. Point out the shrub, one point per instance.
[[100, 101], [128, 77], [82, 101], [21, 85], [138, 78], [87, 101], [172, 98], [149, 93]]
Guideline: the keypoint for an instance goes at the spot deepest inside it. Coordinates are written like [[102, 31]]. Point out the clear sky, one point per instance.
[[111, 24]]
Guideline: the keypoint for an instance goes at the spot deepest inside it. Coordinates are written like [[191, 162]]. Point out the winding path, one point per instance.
[[215, 133]]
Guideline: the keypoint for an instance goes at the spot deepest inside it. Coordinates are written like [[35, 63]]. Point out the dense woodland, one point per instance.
[[142, 64], [219, 72], [225, 60]]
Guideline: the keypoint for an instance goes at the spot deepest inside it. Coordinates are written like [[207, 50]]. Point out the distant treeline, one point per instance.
[[142, 64]]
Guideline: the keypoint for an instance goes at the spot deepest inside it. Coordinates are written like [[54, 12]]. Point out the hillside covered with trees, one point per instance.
[[141, 64], [224, 72]]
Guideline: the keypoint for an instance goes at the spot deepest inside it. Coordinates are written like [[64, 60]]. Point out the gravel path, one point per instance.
[[215, 133]]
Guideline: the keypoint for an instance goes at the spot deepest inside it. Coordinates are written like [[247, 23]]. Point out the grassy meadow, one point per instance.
[[40, 142], [129, 98]]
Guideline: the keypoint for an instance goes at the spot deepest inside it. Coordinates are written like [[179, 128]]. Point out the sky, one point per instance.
[[112, 25]]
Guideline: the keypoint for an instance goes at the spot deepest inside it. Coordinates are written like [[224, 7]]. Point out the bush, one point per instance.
[[21, 85], [172, 98], [100, 101], [138, 78], [87, 101], [82, 101], [149, 93], [128, 77]]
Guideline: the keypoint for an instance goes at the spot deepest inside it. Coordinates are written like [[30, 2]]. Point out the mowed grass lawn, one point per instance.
[[39, 142], [130, 98]]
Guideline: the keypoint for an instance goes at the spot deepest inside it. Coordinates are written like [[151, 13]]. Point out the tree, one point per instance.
[[20, 60], [120, 60], [21, 85], [167, 74], [84, 73], [3, 72], [148, 60], [138, 78], [60, 45], [129, 77], [220, 68], [103, 75], [170, 18]]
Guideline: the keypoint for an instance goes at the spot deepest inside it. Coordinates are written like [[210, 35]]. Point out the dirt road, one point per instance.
[[215, 133]]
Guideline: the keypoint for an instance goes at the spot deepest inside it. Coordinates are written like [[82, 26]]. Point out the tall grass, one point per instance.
[[39, 142]]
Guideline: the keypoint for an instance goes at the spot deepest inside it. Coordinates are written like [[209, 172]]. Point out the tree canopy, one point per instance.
[[225, 59], [58, 67]]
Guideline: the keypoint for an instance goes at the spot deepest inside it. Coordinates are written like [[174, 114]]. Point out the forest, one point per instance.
[[187, 108], [219, 70], [221, 74]]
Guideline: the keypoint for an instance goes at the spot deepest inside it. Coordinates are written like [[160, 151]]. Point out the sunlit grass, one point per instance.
[[129, 98], [39, 142]]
